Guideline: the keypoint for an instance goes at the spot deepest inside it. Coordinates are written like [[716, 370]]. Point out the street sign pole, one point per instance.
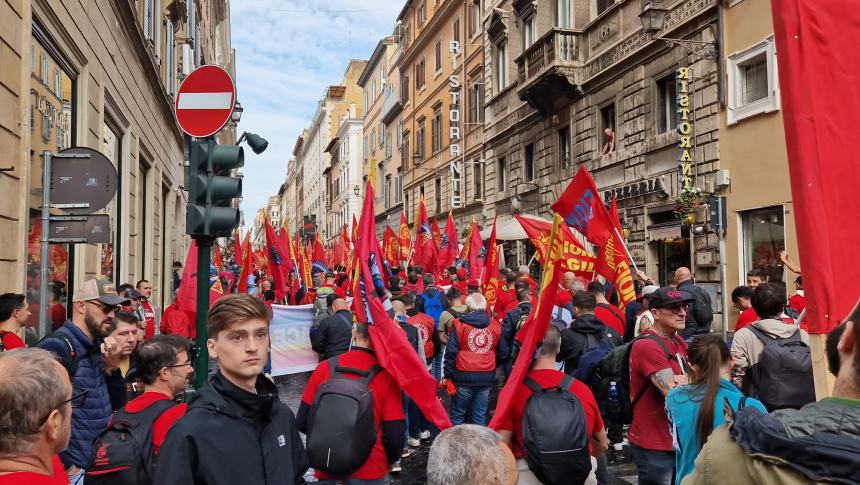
[[43, 264], [201, 367]]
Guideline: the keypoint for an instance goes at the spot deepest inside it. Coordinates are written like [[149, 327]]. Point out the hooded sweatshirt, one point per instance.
[[585, 332], [746, 347], [474, 378]]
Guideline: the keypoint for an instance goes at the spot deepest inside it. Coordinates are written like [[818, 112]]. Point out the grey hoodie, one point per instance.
[[746, 347]]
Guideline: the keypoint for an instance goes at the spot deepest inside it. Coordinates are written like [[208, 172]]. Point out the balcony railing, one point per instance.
[[391, 104], [557, 47]]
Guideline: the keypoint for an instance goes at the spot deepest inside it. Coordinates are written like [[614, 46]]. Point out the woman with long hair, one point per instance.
[[697, 409]]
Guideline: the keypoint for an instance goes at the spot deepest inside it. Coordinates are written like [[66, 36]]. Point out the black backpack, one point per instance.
[[555, 434], [782, 377], [614, 400], [340, 442], [123, 453], [71, 365]]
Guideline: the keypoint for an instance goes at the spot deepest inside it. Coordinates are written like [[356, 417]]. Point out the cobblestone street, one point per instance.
[[414, 467]]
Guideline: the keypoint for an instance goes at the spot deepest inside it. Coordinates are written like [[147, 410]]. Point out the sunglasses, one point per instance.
[[79, 396], [107, 309]]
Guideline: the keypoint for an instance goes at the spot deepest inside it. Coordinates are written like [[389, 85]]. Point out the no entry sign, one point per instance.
[[205, 101]]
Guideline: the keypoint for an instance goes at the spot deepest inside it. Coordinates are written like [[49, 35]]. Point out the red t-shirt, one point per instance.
[[650, 427], [149, 316], [612, 317], [746, 317], [387, 406], [562, 298], [32, 478], [798, 302], [12, 341], [162, 424], [546, 378], [444, 282]]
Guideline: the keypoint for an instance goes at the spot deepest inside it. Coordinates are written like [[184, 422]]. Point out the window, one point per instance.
[[44, 73], [602, 5], [529, 162], [381, 133], [478, 173], [437, 186], [501, 174], [528, 31], [372, 140], [170, 58], [476, 100], [436, 130], [608, 140], [398, 186], [438, 54], [455, 30], [387, 145], [563, 14], [58, 84], [564, 147], [387, 191], [422, 13], [407, 155], [501, 67], [419, 75], [763, 239], [753, 86], [419, 142], [667, 110], [149, 20], [364, 148], [475, 20]]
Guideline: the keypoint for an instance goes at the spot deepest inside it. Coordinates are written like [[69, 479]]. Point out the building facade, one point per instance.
[[344, 175], [104, 79], [442, 97]]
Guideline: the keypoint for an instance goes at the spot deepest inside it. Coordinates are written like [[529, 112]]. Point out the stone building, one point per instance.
[[343, 176], [105, 78]]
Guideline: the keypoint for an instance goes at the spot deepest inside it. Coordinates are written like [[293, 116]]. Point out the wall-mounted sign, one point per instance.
[[454, 128], [684, 78], [650, 186], [637, 251]]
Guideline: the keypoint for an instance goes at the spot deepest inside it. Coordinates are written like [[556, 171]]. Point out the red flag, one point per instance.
[[275, 255], [237, 247], [582, 208], [822, 160], [319, 259], [490, 279], [393, 351], [244, 258], [477, 251], [425, 246], [574, 256], [534, 328], [391, 247], [216, 257], [448, 249], [34, 245], [405, 239], [304, 263], [613, 264], [437, 234], [186, 297]]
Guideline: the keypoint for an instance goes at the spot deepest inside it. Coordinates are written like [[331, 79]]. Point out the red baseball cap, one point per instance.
[[461, 273]]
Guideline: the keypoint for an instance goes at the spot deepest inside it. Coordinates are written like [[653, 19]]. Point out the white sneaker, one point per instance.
[[424, 435], [414, 442], [617, 446], [395, 468], [406, 452]]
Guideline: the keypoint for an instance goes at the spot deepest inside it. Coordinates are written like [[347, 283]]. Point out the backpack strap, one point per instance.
[[612, 311], [532, 384], [565, 383], [72, 364], [768, 338], [150, 413], [332, 366], [374, 370]]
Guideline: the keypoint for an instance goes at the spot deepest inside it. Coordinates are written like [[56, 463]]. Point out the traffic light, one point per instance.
[[211, 189]]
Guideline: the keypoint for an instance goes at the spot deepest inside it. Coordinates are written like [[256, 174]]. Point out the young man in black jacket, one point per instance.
[[334, 333], [585, 332], [235, 430]]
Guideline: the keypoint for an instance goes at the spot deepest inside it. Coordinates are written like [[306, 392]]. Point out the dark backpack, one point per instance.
[[782, 377], [596, 349], [555, 434], [614, 400], [433, 305], [71, 365], [123, 453], [340, 442]]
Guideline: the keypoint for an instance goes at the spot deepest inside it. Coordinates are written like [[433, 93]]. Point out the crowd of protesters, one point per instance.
[[690, 406]]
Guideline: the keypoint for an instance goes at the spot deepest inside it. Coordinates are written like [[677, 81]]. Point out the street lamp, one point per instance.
[[356, 190], [257, 143], [236, 115], [653, 18]]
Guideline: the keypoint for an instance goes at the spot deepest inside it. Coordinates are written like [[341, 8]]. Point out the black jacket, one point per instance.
[[229, 435], [509, 331], [333, 335], [700, 314], [573, 340]]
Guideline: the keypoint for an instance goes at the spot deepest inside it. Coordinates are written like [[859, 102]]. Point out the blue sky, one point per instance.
[[287, 53]]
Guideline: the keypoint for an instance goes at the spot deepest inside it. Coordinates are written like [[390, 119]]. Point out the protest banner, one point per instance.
[[291, 344]]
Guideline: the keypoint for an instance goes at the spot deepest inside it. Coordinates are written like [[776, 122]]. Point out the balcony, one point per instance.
[[392, 105], [546, 70]]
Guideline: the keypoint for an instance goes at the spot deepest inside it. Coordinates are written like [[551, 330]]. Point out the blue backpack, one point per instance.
[[433, 305]]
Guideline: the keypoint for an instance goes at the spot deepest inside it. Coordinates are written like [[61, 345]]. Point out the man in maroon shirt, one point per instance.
[[390, 421], [658, 362], [146, 308]]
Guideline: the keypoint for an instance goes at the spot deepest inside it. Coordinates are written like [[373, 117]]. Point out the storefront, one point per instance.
[[668, 244], [763, 237]]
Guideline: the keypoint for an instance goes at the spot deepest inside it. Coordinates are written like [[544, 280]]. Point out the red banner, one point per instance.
[[425, 246], [186, 297], [277, 263], [449, 249], [582, 208], [243, 257], [613, 264], [817, 68], [391, 247], [574, 256], [405, 239], [490, 280]]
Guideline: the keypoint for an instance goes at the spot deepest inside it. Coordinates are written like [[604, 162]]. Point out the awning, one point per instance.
[[510, 229]]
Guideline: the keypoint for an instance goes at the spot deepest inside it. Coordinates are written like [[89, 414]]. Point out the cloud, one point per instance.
[[287, 53]]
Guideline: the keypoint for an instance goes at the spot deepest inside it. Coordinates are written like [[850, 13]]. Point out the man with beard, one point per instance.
[[144, 287], [91, 358]]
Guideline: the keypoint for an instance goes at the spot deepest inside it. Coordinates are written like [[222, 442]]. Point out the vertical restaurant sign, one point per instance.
[[454, 127], [684, 77]]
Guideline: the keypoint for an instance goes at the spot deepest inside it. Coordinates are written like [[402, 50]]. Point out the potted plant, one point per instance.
[[686, 202]]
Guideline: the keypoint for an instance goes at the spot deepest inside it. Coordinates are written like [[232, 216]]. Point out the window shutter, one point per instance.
[[149, 19]]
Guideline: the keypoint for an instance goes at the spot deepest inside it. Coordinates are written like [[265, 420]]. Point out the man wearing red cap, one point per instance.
[[460, 284]]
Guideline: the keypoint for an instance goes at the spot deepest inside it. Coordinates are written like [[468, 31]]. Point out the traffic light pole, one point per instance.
[[201, 367]]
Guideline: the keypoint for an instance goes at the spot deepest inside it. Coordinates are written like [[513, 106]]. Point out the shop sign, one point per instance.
[[684, 77], [637, 252], [650, 186], [454, 128]]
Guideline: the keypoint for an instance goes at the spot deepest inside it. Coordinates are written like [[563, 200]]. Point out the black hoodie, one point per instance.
[[585, 332], [230, 435]]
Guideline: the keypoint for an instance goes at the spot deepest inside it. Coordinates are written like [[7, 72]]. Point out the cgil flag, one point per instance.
[[574, 256], [490, 280], [449, 249], [612, 262], [405, 239], [582, 208], [425, 245], [391, 247]]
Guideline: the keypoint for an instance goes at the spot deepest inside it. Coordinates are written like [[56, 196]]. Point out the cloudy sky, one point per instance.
[[287, 53]]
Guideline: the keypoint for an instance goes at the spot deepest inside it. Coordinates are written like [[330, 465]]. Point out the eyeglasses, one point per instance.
[[79, 396], [675, 308], [106, 309], [186, 364]]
